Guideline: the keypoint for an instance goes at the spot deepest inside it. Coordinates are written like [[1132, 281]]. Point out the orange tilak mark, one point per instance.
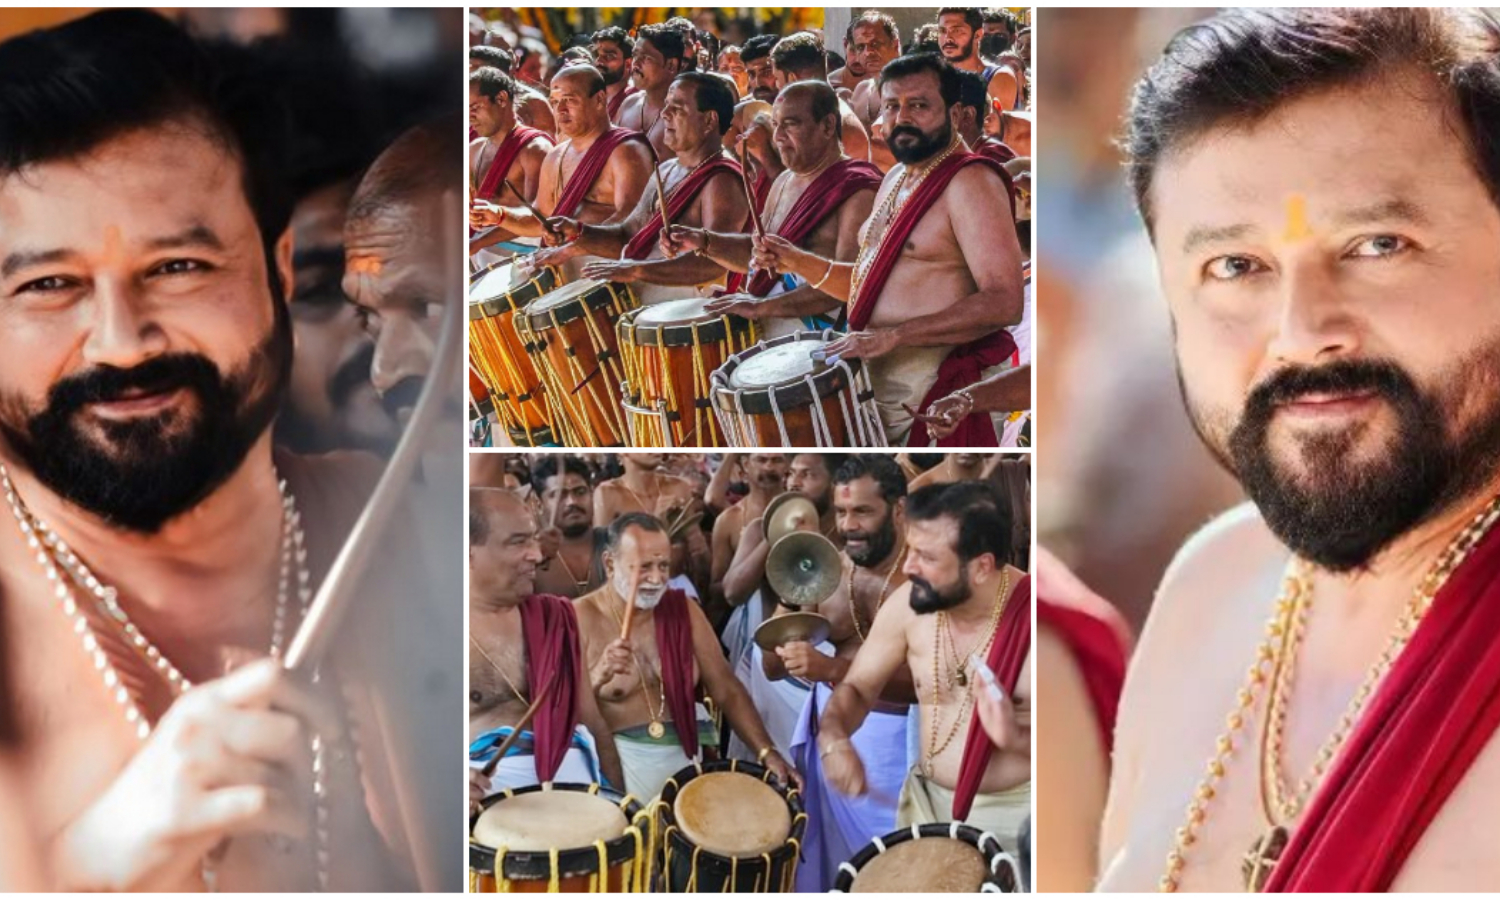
[[1296, 219], [366, 265]]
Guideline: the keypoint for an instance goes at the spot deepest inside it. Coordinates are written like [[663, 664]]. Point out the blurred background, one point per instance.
[[1121, 478]]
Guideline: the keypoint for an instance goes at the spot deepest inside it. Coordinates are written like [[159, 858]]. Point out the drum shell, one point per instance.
[[530, 871], [752, 408], [661, 373], [709, 872], [578, 346], [998, 880], [498, 352]]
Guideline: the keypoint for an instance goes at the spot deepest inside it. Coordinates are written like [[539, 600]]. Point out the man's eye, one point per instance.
[[181, 267], [1379, 245], [1228, 268], [50, 284]]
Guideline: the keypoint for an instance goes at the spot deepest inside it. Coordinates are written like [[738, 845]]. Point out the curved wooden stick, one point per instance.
[[515, 734]]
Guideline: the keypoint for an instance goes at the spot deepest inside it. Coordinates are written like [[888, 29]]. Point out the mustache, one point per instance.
[[908, 129], [402, 395], [1343, 377], [105, 384]]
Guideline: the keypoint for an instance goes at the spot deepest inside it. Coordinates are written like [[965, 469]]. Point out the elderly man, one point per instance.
[[647, 664], [938, 276]]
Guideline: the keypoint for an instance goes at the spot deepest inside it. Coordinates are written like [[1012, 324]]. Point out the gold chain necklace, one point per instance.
[[656, 728], [1002, 600], [879, 600], [887, 214], [577, 582], [496, 666], [1258, 864]]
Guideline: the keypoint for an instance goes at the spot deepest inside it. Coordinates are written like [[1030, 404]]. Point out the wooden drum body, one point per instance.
[[726, 826], [560, 837], [671, 351], [776, 395], [498, 353], [937, 858], [571, 336]]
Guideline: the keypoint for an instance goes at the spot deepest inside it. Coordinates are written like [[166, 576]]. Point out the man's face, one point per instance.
[[939, 579], [609, 59], [143, 351], [331, 404], [809, 476], [573, 499], [649, 69], [393, 271], [918, 124], [873, 48], [644, 557], [802, 141], [529, 68], [648, 461], [576, 111], [731, 64], [956, 38], [966, 460], [684, 127], [868, 524], [487, 117], [1333, 283], [503, 568], [766, 471], [762, 79]]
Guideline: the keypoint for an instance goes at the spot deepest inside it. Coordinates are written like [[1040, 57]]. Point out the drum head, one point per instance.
[[496, 282], [732, 814], [929, 865], [565, 295], [507, 285], [544, 820], [775, 365], [675, 312]]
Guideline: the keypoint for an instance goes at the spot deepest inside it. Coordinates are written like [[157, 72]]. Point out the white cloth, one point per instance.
[[518, 770], [739, 632], [901, 379], [684, 584], [648, 765], [779, 703]]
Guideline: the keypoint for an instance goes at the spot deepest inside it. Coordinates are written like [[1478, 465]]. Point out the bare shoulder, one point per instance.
[[1233, 546], [977, 179], [478, 144], [631, 154]]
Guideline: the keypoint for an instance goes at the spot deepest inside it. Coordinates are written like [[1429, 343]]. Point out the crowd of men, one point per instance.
[[892, 185], [870, 723]]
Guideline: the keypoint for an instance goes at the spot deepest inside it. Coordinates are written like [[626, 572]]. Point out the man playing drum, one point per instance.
[[964, 607], [523, 642], [506, 156], [646, 664]]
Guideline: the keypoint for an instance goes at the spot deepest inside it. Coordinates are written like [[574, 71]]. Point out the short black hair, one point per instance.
[[493, 82], [873, 17], [925, 39], [879, 466], [499, 57], [758, 47], [983, 516], [1001, 15], [915, 64], [550, 465], [972, 16], [668, 39], [711, 93], [1238, 67], [973, 93], [801, 55], [616, 35], [642, 520]]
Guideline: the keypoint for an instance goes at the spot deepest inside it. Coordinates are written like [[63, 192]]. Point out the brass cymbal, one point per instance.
[[785, 514], [788, 627], [803, 568]]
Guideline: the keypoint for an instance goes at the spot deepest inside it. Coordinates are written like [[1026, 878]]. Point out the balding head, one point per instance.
[[503, 548], [579, 103], [414, 172], [807, 126]]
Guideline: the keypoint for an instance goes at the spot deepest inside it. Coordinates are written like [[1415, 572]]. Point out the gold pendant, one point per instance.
[[1260, 861], [961, 675], [656, 729]]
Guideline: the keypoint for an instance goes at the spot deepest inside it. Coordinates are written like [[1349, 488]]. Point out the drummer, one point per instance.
[[573, 548], [820, 202], [704, 190], [963, 600], [595, 175], [521, 641], [506, 156], [938, 277], [647, 681]]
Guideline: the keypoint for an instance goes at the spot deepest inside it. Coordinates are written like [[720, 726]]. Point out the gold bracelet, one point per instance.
[[760, 758], [823, 754], [708, 238], [826, 275]]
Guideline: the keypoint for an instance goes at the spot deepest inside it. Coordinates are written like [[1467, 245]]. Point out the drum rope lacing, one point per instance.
[[58, 559], [512, 419]]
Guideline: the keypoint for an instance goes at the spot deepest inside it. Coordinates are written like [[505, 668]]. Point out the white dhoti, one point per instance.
[[739, 632], [780, 703], [648, 762], [838, 825], [903, 377], [1001, 814], [518, 768]]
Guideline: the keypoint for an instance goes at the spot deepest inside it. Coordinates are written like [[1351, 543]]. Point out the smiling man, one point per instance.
[[1311, 706]]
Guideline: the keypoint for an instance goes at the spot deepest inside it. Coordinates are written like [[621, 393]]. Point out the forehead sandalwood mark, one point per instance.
[[1296, 220], [365, 265]]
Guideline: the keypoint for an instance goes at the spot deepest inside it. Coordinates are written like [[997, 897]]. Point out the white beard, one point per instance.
[[648, 600]]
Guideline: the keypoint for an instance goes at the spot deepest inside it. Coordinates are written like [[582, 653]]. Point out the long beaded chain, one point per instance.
[[887, 213], [879, 599], [656, 727], [1002, 600], [63, 566], [496, 666], [1278, 647]]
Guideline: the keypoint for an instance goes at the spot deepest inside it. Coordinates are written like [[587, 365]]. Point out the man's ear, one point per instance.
[[283, 262]]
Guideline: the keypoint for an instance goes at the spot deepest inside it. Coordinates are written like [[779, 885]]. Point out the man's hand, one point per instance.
[[561, 230], [783, 770], [550, 540], [678, 239], [618, 659], [484, 214], [947, 413], [774, 253], [553, 256], [804, 661], [862, 345], [479, 788], [843, 768], [230, 757], [746, 306], [621, 271], [996, 712]]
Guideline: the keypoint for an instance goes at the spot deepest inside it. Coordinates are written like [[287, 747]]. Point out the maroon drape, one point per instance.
[[505, 157], [590, 167], [1099, 650], [1434, 713], [821, 199], [674, 641], [1006, 658], [678, 200], [613, 109], [550, 630]]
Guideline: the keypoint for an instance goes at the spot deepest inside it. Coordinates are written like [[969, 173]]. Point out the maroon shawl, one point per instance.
[[1099, 650], [965, 364], [674, 642], [821, 199], [679, 199], [619, 100], [505, 157], [550, 630], [1434, 713], [590, 167], [1007, 657]]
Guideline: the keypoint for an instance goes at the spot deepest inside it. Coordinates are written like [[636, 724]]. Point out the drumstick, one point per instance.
[[661, 198], [922, 417], [635, 583], [515, 735], [744, 160], [531, 209]]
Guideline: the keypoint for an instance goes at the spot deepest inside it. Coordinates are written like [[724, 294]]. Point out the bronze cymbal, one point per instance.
[[804, 568], [785, 514], [788, 627]]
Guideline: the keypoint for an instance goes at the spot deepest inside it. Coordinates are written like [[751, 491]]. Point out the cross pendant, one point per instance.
[[1260, 861]]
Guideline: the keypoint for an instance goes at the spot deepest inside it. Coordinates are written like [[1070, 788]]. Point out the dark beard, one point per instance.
[[927, 599], [1341, 514], [926, 147], [964, 52], [992, 45], [140, 474], [572, 532], [882, 543], [612, 78]]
